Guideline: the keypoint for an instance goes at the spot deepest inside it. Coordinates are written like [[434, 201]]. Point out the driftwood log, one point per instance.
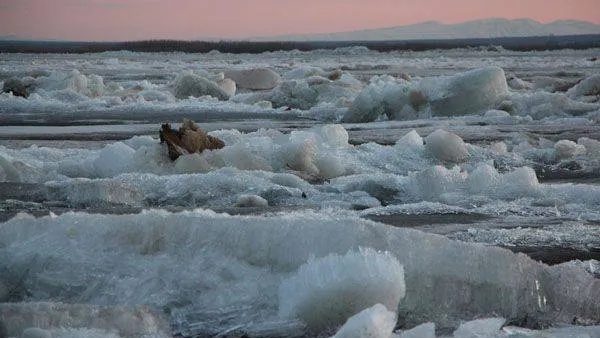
[[188, 139]]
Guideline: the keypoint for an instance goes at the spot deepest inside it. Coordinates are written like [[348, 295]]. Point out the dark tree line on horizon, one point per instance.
[[516, 44]]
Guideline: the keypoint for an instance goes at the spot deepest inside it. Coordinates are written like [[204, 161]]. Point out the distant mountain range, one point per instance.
[[14, 37], [10, 37], [488, 28]]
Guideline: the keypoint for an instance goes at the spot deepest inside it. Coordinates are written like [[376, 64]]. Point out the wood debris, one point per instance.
[[188, 139]]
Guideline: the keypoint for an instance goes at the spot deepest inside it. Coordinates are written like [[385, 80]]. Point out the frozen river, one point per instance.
[[349, 178]]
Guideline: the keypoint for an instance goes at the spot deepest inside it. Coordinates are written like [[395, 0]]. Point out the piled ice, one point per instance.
[[426, 330], [468, 93], [446, 146], [541, 105], [114, 159], [55, 319], [318, 151], [320, 92], [383, 96], [589, 86], [489, 327], [228, 86], [518, 84], [462, 94], [67, 92], [278, 168], [35, 332], [59, 83], [87, 333], [230, 271], [8, 172], [192, 163], [295, 94], [556, 242], [374, 322], [592, 147], [410, 140], [566, 149], [189, 84], [307, 88], [493, 328], [18, 87], [326, 291], [241, 261], [552, 84], [452, 186], [251, 201], [83, 191], [255, 79], [561, 332]]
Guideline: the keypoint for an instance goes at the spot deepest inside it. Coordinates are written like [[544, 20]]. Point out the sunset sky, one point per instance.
[[196, 19]]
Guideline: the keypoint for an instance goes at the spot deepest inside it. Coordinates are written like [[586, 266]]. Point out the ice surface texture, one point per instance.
[[426, 330], [489, 327], [470, 92], [589, 86], [278, 167], [446, 146], [374, 322], [125, 83], [383, 96], [326, 291], [35, 332], [467, 93], [159, 258], [492, 328], [188, 84], [82, 320], [256, 78]]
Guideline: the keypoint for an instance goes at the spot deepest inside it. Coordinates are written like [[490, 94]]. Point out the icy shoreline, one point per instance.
[[462, 151]]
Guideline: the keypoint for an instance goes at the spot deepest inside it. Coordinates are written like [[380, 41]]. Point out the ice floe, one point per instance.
[[217, 261], [488, 147]]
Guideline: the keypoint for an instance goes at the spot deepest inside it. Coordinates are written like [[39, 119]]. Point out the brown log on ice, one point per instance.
[[188, 139]]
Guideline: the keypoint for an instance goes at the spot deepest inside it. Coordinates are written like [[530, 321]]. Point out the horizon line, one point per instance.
[[3, 38]]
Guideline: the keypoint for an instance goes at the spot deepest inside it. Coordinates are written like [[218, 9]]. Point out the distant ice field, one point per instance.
[[359, 194]]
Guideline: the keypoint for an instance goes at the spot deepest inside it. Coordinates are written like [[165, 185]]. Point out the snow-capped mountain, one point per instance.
[[488, 28]]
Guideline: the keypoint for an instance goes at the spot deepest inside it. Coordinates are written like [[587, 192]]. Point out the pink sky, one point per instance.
[[194, 19]]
